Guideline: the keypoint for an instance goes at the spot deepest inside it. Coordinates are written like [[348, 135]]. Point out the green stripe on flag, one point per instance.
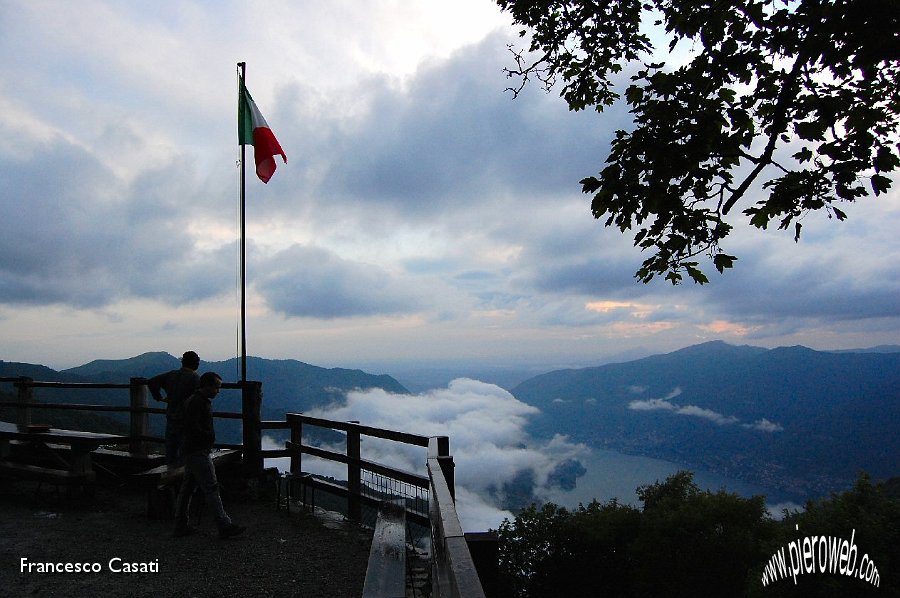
[[245, 116]]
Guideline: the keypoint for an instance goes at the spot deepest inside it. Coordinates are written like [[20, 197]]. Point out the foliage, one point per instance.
[[697, 543], [555, 552], [794, 99], [866, 513], [689, 542]]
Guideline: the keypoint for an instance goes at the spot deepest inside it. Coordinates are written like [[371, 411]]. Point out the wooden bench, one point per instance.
[[163, 482], [111, 463], [59, 477], [386, 572], [163, 474], [126, 462]]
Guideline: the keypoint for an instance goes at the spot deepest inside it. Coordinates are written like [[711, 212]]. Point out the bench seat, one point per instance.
[[45, 474], [162, 483], [126, 462], [163, 474]]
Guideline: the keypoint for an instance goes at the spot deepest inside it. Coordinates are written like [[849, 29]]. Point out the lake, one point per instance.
[[615, 475]]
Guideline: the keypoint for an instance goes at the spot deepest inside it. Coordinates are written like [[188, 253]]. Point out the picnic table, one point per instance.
[[75, 468]]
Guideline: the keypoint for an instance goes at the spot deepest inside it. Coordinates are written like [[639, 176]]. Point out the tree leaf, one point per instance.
[[698, 276], [880, 184], [722, 261]]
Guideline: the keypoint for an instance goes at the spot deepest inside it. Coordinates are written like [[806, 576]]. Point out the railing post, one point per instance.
[[251, 400], [448, 468], [140, 419], [297, 440], [441, 451], [453, 571], [354, 485], [26, 395], [438, 446]]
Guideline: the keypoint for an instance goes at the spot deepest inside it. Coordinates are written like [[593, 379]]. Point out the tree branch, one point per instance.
[[525, 71], [779, 126]]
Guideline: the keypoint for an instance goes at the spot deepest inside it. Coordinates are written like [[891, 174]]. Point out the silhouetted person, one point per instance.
[[178, 386], [199, 469]]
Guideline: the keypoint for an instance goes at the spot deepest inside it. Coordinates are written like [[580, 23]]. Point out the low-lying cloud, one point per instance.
[[764, 425], [488, 441], [666, 404]]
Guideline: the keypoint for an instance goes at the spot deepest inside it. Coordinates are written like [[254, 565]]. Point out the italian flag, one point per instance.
[[254, 130]]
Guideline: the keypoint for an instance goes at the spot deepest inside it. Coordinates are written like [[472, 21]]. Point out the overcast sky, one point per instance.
[[423, 215]]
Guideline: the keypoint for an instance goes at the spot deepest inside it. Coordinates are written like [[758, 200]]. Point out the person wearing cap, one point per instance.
[[178, 385], [199, 469]]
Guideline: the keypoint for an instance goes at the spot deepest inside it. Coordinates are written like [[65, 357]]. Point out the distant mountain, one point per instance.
[[78, 420], [791, 418], [423, 379], [876, 349], [288, 385], [146, 365], [14, 369]]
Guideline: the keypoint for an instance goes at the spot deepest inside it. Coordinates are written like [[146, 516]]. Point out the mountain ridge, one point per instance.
[[800, 420], [790, 418], [288, 385]]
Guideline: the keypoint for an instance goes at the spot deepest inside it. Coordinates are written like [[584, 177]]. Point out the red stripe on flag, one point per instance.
[[265, 148]]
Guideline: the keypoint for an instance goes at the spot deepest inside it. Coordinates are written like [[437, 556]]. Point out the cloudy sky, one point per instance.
[[423, 215]]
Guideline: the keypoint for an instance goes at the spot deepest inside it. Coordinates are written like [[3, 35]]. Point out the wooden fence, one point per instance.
[[453, 570]]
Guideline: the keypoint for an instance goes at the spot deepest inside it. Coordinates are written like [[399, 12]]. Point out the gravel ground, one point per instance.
[[279, 555]]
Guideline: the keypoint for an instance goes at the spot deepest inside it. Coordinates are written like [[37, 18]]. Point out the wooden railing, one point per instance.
[[357, 467], [453, 574], [139, 410]]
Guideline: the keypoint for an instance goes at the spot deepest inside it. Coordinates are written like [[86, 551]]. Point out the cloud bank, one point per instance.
[[489, 444], [665, 404]]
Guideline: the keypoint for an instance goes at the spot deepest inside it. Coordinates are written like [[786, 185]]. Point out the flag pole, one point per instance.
[[242, 70]]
